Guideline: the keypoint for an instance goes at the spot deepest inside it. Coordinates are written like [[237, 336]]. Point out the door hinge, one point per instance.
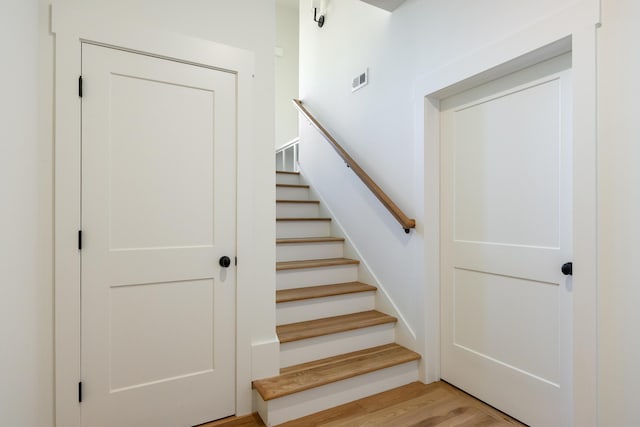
[[80, 86], [236, 259], [79, 240], [80, 392]]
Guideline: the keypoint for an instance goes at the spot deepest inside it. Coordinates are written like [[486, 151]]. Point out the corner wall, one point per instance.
[[619, 214], [26, 397]]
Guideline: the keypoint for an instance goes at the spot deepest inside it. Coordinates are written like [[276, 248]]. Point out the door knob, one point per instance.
[[567, 269], [224, 261]]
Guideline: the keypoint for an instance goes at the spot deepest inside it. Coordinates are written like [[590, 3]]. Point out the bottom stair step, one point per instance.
[[414, 404], [320, 372], [316, 386]]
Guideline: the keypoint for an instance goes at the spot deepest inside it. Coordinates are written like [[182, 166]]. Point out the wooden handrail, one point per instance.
[[406, 222]]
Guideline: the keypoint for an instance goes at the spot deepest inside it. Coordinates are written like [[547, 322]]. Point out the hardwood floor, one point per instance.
[[252, 420], [414, 405]]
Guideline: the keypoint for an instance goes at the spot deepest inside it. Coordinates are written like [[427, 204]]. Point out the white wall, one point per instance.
[[26, 374], [376, 124], [619, 213], [287, 36]]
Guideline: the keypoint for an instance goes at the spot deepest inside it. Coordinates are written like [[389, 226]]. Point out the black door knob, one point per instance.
[[567, 268], [224, 261]]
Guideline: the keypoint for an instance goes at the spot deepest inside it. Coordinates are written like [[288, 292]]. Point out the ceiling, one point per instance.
[[389, 5], [288, 3]]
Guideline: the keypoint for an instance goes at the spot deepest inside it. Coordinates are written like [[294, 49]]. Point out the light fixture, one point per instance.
[[322, 6], [318, 19]]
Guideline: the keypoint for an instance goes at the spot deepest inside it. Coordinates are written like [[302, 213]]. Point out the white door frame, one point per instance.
[[71, 29], [572, 30]]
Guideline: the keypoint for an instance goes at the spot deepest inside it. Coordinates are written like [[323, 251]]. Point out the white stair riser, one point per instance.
[[304, 277], [287, 178], [297, 210], [286, 408], [292, 193], [286, 229], [302, 251], [318, 308], [303, 351]]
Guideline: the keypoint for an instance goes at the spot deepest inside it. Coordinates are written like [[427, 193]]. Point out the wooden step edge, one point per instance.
[[316, 202], [322, 291], [314, 263], [299, 219], [331, 325], [294, 240], [341, 359], [236, 421], [288, 173], [292, 185], [326, 371]]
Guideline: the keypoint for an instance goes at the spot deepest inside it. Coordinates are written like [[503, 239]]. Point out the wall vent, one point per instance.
[[360, 80]]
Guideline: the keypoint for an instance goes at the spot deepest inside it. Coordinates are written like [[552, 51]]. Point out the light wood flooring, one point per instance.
[[414, 405]]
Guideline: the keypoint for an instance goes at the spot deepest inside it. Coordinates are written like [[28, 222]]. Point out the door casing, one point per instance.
[[572, 30], [71, 30]]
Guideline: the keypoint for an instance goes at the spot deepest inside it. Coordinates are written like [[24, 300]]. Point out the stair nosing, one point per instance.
[[323, 291], [299, 219], [298, 201], [294, 240], [314, 263], [293, 185], [316, 369], [343, 323]]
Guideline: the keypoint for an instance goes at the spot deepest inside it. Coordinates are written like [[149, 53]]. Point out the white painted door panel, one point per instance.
[[506, 230], [158, 211]]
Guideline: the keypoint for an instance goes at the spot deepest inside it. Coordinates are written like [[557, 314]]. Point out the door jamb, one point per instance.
[[573, 29], [71, 30]]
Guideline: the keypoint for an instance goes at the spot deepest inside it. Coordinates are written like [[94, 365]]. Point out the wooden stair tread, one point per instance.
[[300, 294], [317, 202], [314, 263], [331, 325], [289, 240], [302, 219], [252, 420], [293, 185], [288, 173], [325, 371]]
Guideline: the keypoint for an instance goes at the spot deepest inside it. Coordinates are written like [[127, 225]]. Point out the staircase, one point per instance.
[[334, 346]]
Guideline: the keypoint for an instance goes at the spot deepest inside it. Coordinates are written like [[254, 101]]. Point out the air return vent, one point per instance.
[[360, 80]]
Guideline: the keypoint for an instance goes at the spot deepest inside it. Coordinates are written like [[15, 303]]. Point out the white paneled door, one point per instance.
[[158, 212], [506, 218]]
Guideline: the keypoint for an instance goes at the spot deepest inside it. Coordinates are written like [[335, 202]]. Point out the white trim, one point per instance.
[[572, 29], [72, 28], [286, 145]]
